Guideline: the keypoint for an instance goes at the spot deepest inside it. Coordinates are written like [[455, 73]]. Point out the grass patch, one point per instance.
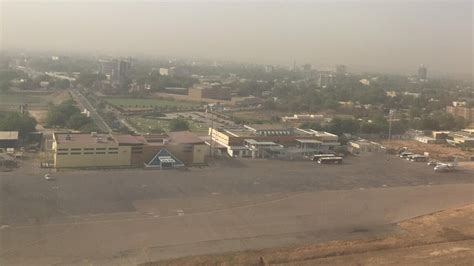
[[11, 101], [149, 103], [154, 125]]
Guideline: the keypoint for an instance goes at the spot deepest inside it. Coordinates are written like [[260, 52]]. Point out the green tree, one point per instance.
[[77, 121], [12, 121], [179, 124]]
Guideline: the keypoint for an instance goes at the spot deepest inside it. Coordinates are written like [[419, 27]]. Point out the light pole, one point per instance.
[[211, 152], [390, 117]]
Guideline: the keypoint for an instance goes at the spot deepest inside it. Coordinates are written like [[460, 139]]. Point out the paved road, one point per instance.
[[82, 100]]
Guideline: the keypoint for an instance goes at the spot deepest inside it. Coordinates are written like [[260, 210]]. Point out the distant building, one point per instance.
[[464, 138], [270, 141], [412, 94], [391, 94], [364, 146], [79, 150], [365, 82], [247, 101], [199, 93], [459, 104], [462, 111], [115, 69], [325, 79], [301, 118], [341, 70], [124, 69], [163, 71], [422, 73], [268, 68]]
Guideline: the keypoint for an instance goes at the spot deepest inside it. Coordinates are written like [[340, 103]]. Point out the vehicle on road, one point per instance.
[[405, 154], [418, 158], [316, 157], [330, 160], [432, 163], [48, 177]]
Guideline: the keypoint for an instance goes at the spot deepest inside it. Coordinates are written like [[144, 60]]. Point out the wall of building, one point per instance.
[[76, 156], [200, 153], [466, 112]]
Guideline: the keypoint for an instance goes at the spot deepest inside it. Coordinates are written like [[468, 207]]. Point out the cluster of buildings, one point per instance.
[[115, 70], [302, 118], [462, 138], [174, 72], [270, 141], [81, 150], [203, 91], [462, 110]]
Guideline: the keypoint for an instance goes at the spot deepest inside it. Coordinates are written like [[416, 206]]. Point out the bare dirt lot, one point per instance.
[[436, 151], [441, 238]]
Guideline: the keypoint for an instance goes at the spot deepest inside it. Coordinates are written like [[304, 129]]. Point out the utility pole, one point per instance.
[[211, 151], [390, 118]]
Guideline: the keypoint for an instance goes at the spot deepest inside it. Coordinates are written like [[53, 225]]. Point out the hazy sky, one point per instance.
[[390, 35]]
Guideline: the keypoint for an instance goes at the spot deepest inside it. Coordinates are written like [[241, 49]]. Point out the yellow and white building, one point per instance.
[[73, 150]]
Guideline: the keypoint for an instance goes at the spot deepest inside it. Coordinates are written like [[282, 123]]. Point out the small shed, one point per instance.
[[8, 139]]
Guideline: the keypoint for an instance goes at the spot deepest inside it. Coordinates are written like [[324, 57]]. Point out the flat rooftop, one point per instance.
[[83, 138], [256, 142], [310, 141], [184, 137], [129, 139], [262, 127]]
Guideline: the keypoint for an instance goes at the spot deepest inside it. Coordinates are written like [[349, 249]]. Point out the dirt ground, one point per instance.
[[39, 113], [440, 238], [436, 151]]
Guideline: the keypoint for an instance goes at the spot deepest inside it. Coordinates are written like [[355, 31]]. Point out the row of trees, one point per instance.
[[14, 121], [68, 115], [380, 125], [159, 83]]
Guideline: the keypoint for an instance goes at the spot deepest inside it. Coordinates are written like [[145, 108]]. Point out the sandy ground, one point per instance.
[[437, 151], [441, 238]]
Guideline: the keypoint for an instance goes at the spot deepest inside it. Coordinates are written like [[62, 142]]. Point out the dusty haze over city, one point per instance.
[[393, 36]]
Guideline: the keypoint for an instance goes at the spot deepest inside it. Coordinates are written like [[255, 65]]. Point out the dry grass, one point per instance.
[[451, 226]]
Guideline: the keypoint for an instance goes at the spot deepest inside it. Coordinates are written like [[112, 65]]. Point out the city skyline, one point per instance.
[[321, 33]]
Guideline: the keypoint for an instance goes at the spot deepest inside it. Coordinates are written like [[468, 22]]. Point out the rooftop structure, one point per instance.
[[8, 135], [82, 138], [300, 118], [184, 137], [232, 139]]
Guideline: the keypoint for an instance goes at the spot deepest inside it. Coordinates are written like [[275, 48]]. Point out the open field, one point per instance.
[[125, 217], [12, 100], [138, 103], [436, 151], [439, 238], [261, 115], [150, 125]]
